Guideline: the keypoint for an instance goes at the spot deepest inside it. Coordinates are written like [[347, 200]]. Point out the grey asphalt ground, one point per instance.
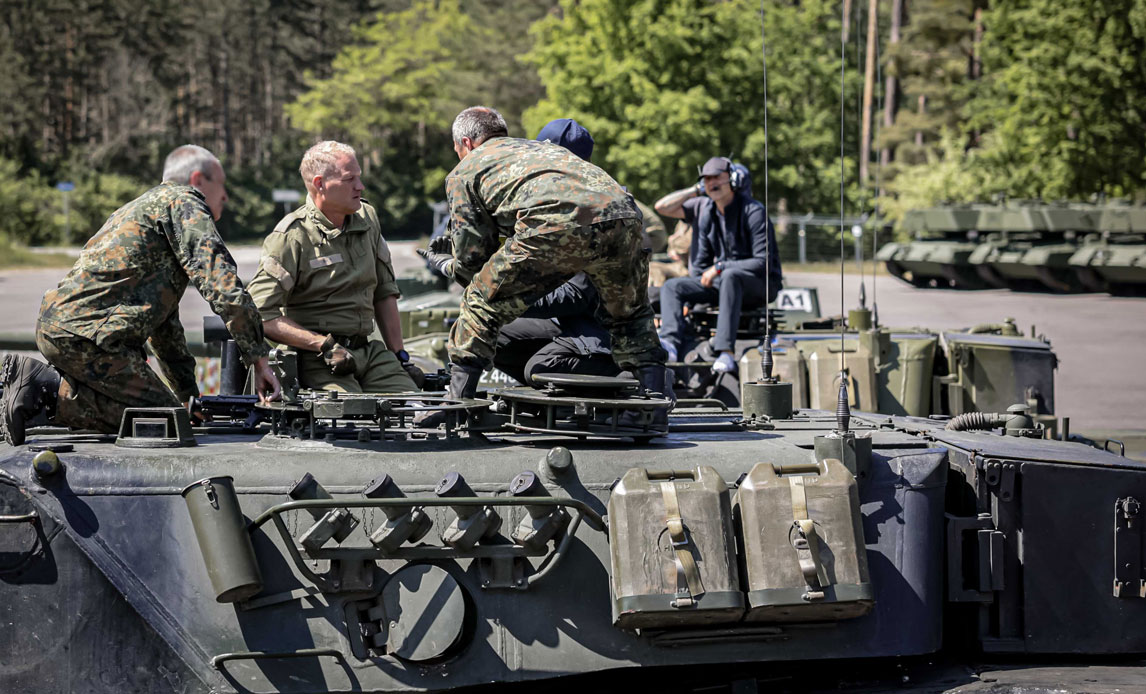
[[1100, 340]]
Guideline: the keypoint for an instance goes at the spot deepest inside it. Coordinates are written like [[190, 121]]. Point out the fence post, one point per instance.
[[803, 233]]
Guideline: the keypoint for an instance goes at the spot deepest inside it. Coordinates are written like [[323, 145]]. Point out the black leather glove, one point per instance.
[[440, 262], [416, 375], [338, 358], [442, 244]]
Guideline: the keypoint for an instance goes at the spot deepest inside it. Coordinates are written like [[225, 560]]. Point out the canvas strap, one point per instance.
[[688, 585], [806, 542]]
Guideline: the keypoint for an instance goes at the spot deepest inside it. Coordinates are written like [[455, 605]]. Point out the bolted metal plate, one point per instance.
[[425, 613]]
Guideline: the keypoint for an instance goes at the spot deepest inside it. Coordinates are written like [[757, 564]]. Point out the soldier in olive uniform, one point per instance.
[[563, 216], [123, 292], [325, 277]]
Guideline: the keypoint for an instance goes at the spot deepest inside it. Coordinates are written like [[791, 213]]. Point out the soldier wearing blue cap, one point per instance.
[[729, 259]]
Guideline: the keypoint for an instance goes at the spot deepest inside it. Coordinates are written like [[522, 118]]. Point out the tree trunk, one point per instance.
[[891, 83], [868, 88], [847, 17]]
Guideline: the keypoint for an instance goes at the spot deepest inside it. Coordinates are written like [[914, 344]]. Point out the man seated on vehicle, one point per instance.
[[123, 293], [732, 236], [325, 277]]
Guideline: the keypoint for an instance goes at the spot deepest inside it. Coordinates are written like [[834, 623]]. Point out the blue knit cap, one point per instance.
[[569, 134]]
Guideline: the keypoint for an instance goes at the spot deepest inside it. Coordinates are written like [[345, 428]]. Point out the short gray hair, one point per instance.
[[479, 123], [186, 160], [321, 158]]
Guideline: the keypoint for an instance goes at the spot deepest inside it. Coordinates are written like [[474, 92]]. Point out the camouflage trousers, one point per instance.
[[377, 371], [532, 264], [661, 272], [96, 385]]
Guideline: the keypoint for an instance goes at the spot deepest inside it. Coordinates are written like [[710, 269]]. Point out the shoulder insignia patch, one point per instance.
[[275, 269]]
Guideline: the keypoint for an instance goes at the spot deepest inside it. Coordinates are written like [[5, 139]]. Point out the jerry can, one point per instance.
[[803, 544], [673, 552]]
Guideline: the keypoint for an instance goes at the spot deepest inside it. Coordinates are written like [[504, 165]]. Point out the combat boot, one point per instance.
[[654, 380], [463, 386], [31, 389]]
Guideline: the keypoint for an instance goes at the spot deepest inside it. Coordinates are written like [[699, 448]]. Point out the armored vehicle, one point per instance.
[[1061, 247], [912, 370], [326, 544]]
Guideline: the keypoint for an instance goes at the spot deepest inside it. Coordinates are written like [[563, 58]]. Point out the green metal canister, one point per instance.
[[223, 538]]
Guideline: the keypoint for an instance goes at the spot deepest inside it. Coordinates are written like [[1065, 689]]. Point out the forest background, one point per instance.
[[966, 100]]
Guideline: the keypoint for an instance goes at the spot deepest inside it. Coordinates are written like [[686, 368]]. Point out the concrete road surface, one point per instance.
[[1100, 340]]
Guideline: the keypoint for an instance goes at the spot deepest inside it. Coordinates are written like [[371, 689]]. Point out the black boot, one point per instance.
[[657, 380], [30, 391], [463, 386]]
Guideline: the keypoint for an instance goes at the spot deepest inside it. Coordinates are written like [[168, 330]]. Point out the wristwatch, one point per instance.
[[719, 267], [403, 355]]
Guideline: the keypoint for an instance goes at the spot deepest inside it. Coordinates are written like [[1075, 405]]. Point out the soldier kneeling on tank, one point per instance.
[[325, 277], [123, 293], [561, 332], [562, 216]]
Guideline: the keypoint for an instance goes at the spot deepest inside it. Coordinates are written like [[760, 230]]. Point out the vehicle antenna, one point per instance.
[[843, 415], [859, 163], [878, 182], [766, 361]]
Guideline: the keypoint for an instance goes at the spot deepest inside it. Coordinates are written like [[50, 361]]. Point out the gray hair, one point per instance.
[[321, 158], [186, 160], [479, 123]]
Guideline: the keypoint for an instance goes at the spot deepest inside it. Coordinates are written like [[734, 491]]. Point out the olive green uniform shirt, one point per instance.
[[325, 278]]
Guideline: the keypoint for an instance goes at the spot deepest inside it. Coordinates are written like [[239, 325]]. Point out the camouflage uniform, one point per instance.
[[652, 228], [679, 245], [328, 279], [563, 215], [124, 291]]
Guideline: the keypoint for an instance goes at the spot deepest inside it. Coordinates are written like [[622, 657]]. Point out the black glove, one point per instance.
[[442, 244], [338, 358], [416, 375], [440, 262]]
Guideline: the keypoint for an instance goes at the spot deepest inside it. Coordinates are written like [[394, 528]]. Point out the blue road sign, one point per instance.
[[65, 186]]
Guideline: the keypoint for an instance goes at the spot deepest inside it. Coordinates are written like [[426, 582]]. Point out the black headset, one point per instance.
[[737, 174]]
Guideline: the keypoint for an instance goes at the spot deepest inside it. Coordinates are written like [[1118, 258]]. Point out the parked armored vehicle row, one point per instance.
[[1059, 247]]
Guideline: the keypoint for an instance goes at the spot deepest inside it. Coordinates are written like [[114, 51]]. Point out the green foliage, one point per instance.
[[665, 84], [1058, 113], [395, 89], [1063, 98], [32, 210]]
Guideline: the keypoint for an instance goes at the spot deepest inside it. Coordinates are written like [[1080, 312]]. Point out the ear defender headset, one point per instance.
[[737, 174]]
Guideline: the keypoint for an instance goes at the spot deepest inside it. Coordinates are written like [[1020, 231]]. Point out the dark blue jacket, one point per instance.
[[574, 306], [741, 242]]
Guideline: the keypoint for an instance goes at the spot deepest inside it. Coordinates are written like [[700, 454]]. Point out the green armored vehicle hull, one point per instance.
[[333, 547], [1027, 246], [910, 371]]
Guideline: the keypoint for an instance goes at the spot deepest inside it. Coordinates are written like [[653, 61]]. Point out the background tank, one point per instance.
[[1027, 245], [1114, 257], [937, 254]]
